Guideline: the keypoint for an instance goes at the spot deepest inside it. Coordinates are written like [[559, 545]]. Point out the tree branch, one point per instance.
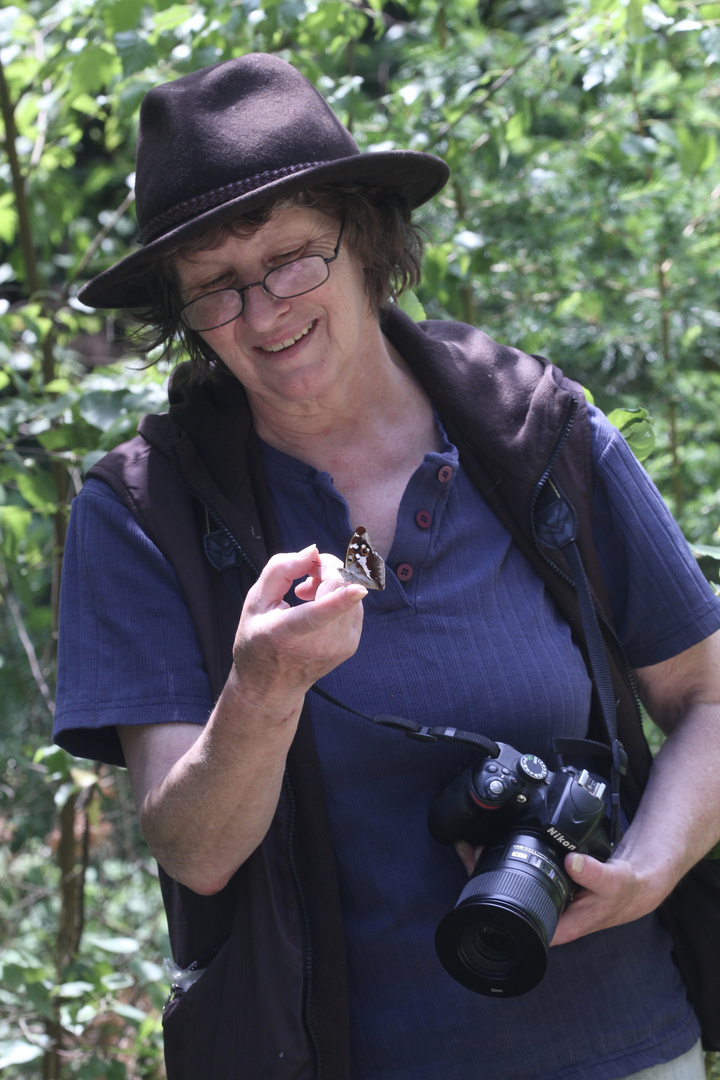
[[96, 242], [505, 76], [27, 644]]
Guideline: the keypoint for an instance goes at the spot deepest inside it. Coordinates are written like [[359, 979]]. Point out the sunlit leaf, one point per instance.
[[119, 945], [117, 981], [18, 1052], [134, 51], [94, 68], [122, 15], [73, 989], [637, 428], [704, 551], [128, 1012]]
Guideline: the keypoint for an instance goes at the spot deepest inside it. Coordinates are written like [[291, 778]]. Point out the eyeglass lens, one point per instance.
[[291, 279]]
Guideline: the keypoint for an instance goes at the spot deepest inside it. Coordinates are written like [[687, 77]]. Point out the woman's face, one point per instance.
[[293, 350]]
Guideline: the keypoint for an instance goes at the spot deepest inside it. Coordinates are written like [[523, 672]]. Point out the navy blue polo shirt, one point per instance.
[[464, 635]]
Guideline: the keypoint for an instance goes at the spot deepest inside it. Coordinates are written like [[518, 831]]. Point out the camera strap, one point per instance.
[[555, 526], [413, 730]]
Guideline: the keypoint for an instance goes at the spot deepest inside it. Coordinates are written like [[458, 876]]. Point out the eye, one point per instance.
[[288, 256], [219, 282], [216, 283]]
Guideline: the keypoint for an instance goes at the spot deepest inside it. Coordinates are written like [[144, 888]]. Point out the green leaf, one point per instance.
[[120, 945], [100, 409], [73, 989], [634, 22], [174, 16], [135, 52], [409, 303], [54, 758], [14, 524], [13, 976], [128, 1012], [117, 981], [637, 428], [94, 68], [37, 488], [122, 15], [18, 1052], [8, 217], [703, 551]]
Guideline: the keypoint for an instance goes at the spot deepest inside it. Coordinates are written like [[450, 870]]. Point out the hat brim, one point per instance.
[[416, 176]]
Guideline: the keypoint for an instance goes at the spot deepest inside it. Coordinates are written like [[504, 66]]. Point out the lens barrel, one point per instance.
[[495, 940]]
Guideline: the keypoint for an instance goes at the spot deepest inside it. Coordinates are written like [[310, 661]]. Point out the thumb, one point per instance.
[[583, 869]]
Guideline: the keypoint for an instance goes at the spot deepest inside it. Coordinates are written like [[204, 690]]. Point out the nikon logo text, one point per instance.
[[560, 839]]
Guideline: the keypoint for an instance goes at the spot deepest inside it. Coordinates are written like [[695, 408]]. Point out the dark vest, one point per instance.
[[273, 1001]]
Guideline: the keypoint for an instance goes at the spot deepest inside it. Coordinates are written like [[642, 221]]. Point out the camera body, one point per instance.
[[527, 818]]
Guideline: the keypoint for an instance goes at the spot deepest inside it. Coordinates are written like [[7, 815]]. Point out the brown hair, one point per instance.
[[378, 230]]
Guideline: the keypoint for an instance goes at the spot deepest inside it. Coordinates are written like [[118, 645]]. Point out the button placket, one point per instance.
[[428, 489]]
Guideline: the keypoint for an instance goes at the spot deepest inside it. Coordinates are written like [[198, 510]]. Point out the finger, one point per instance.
[[278, 575], [313, 587], [585, 871], [469, 855], [609, 896], [331, 601], [326, 567], [601, 878]]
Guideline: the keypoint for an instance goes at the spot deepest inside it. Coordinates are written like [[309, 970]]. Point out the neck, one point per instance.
[[372, 404], [370, 440]]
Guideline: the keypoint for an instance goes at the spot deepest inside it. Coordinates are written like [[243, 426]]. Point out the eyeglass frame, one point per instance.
[[253, 284]]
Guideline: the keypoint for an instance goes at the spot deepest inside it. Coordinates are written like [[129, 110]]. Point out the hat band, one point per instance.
[[190, 208]]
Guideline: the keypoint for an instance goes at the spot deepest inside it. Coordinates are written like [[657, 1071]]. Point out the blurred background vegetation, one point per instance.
[[580, 222]]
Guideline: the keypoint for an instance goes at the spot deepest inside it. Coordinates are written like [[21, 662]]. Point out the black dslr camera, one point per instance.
[[528, 818]]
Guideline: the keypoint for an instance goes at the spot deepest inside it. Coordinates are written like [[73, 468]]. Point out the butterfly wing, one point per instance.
[[363, 565]]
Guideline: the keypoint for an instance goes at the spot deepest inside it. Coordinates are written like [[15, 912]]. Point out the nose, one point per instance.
[[261, 307]]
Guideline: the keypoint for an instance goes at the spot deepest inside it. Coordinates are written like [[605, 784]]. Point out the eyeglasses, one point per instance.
[[294, 278]]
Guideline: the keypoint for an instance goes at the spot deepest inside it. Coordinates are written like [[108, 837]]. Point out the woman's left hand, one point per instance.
[[611, 893], [678, 819]]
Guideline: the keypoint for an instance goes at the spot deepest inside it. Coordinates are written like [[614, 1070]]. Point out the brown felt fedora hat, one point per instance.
[[217, 143]]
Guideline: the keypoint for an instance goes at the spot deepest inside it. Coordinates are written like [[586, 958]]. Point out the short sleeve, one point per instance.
[[127, 648], [660, 600]]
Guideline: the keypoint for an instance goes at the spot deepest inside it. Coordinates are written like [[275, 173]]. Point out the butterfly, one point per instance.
[[363, 565]]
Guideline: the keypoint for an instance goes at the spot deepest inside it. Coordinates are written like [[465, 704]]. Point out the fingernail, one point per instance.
[[578, 864]]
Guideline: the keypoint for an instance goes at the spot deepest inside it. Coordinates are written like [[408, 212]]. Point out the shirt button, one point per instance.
[[404, 571], [444, 474], [424, 519]]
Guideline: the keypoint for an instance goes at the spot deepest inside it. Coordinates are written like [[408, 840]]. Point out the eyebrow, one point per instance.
[[202, 281]]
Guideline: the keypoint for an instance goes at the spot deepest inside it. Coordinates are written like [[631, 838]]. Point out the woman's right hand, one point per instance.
[[281, 650], [206, 795]]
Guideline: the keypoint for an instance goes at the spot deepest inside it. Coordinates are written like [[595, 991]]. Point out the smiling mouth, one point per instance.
[[288, 341]]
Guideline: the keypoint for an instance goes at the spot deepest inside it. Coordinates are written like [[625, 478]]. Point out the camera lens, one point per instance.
[[495, 940], [488, 948]]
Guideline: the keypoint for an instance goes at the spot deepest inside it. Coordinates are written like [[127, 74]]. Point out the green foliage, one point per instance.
[[637, 427], [579, 222], [99, 1004]]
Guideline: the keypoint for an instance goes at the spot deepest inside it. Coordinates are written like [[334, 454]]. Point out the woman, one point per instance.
[[313, 406]]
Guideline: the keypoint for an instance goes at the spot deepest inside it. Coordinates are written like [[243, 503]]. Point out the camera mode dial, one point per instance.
[[533, 767]]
